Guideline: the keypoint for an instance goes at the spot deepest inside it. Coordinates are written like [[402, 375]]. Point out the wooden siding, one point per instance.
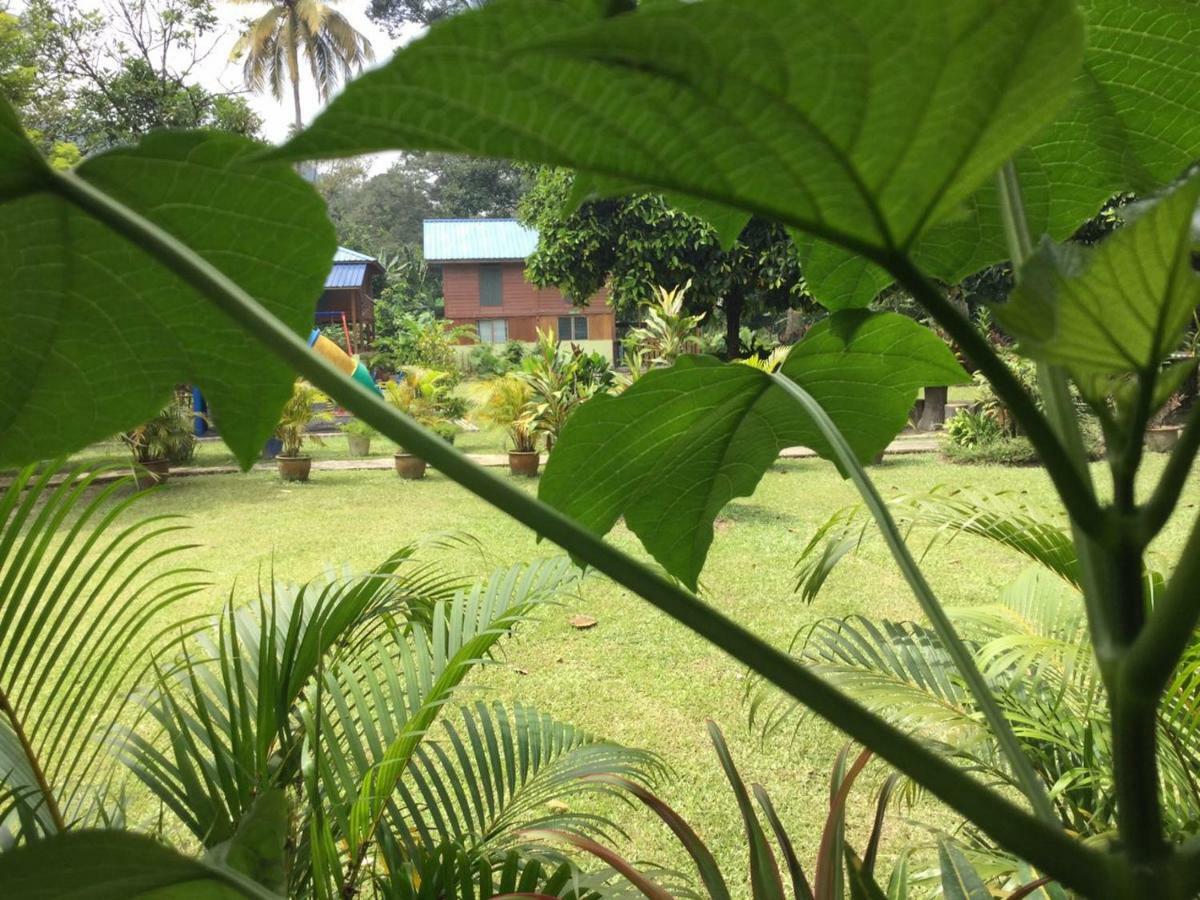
[[525, 306]]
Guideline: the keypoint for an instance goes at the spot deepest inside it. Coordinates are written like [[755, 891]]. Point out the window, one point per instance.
[[490, 291], [572, 328], [493, 331]]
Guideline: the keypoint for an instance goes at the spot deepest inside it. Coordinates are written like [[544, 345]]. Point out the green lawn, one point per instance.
[[637, 677]]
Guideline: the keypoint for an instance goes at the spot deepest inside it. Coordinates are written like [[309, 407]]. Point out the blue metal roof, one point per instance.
[[461, 240], [345, 254], [344, 275], [349, 269]]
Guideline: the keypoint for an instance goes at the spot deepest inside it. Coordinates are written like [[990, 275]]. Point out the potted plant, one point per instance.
[[523, 457], [420, 394], [298, 414], [358, 437], [167, 438], [508, 404]]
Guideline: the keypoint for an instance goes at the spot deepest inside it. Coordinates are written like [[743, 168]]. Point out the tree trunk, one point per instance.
[[733, 325], [293, 52]]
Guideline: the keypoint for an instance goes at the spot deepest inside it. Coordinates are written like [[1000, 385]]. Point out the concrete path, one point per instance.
[[902, 446]]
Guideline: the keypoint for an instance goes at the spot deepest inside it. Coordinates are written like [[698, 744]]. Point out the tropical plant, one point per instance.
[[667, 332], [273, 43], [778, 109], [421, 339], [334, 692], [360, 428], [170, 435], [973, 428], [424, 395], [298, 413], [83, 611], [298, 738], [556, 386], [506, 405], [1031, 643]]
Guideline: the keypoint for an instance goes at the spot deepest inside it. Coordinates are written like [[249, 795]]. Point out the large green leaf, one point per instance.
[[1119, 309], [115, 865], [95, 332], [1132, 123], [677, 446], [960, 881], [864, 123]]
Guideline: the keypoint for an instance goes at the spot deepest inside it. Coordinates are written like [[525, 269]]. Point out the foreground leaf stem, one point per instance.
[[1049, 848], [1032, 786]]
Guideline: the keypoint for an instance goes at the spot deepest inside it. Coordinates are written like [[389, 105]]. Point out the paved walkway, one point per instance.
[[902, 446]]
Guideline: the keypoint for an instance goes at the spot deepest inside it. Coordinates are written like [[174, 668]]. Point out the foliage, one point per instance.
[[667, 332], [106, 76], [1032, 644], [298, 413], [420, 340], [780, 110], [425, 396], [836, 868], [632, 245], [507, 404], [276, 730], [360, 428], [558, 385], [383, 213], [171, 435], [683, 441], [62, 687], [273, 43]]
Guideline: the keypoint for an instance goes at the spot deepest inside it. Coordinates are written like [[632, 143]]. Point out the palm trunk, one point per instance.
[[293, 51]]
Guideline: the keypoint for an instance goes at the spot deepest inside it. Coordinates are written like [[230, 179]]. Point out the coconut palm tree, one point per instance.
[[272, 45]]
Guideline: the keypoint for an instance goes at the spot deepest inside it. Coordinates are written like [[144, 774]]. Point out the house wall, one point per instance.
[[525, 306]]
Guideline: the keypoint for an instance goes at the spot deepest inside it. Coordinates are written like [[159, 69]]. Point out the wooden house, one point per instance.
[[482, 262], [348, 302]]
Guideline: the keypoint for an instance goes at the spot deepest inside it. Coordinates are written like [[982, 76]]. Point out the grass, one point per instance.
[[636, 677]]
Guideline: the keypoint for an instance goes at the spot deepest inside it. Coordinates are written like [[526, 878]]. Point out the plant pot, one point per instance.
[[523, 462], [294, 468], [1162, 438], [271, 448], [359, 444], [150, 473], [409, 466]]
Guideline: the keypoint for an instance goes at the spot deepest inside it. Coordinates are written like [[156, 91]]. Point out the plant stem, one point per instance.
[[1050, 849], [1031, 785], [35, 767]]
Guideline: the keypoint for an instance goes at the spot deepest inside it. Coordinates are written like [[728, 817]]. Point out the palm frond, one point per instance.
[[369, 713], [497, 773], [79, 603]]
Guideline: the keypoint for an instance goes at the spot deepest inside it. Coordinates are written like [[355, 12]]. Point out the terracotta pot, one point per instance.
[[409, 466], [523, 462], [1162, 438], [150, 473], [294, 468], [360, 444]]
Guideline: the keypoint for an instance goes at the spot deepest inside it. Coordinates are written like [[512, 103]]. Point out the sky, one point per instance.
[[217, 73]]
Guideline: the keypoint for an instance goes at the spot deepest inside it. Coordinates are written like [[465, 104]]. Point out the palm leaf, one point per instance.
[[79, 603]]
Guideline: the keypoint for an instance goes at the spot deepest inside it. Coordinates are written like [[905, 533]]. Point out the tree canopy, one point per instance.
[[634, 244]]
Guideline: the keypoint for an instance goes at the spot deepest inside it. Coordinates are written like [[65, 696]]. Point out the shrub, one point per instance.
[[972, 428]]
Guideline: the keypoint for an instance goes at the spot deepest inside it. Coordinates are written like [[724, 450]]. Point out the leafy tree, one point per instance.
[[273, 43], [110, 75], [396, 14], [635, 245]]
